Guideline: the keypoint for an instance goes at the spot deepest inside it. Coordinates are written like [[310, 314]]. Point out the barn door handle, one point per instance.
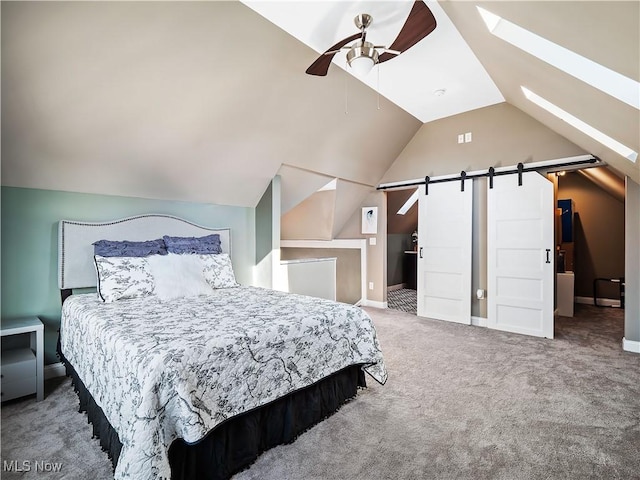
[[548, 253], [420, 252]]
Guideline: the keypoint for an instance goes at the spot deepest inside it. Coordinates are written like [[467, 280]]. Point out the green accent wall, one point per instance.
[[29, 242]]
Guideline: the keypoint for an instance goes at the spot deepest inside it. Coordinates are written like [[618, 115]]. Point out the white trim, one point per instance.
[[374, 304], [478, 321], [603, 302], [54, 370], [307, 260], [399, 286], [630, 345], [337, 243], [363, 270]]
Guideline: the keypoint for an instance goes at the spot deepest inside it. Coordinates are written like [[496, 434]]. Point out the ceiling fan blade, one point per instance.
[[333, 52], [388, 50], [321, 66], [418, 25]]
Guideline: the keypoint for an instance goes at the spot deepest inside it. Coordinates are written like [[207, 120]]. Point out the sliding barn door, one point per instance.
[[520, 255], [444, 252]]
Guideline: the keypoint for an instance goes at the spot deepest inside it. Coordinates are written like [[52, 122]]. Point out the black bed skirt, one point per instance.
[[235, 444]]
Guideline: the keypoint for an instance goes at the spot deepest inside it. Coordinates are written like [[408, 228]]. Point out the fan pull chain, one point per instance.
[[346, 88], [378, 87]]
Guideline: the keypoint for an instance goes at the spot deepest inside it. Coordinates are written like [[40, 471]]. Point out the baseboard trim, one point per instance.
[[478, 321], [630, 346], [399, 286], [54, 370], [374, 304], [603, 302]]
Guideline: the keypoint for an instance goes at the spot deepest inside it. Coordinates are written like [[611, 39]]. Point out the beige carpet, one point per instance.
[[461, 403]]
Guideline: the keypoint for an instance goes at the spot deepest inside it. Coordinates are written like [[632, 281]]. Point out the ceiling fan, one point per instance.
[[363, 55]]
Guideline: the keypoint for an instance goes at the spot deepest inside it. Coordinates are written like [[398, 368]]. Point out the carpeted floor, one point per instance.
[[461, 403]]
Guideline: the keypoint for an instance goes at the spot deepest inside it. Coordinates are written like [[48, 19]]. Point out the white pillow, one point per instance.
[[123, 277], [218, 270], [177, 276]]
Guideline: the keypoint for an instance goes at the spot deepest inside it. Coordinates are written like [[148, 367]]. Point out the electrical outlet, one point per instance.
[[461, 138], [372, 240], [370, 285], [467, 137]]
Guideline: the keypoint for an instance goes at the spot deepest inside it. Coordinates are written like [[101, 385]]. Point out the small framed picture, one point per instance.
[[369, 220]]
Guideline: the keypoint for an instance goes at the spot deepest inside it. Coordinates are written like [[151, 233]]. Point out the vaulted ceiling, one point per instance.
[[207, 101], [194, 101], [607, 33]]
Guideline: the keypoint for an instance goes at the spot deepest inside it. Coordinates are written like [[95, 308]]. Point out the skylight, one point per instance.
[[585, 128], [332, 185], [409, 203], [604, 79]]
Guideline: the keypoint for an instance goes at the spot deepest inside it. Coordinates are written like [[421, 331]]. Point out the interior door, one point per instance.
[[444, 252], [520, 255]]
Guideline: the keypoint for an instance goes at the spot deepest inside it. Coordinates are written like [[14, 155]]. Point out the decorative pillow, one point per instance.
[[218, 270], [126, 248], [178, 276], [123, 277], [206, 244]]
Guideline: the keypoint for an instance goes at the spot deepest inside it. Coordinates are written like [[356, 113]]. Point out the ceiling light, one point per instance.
[[604, 79], [585, 128], [362, 58]]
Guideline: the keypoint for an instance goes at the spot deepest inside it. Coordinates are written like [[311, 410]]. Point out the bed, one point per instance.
[[197, 386]]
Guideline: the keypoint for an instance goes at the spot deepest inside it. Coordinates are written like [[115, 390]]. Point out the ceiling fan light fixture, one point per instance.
[[362, 58], [418, 25]]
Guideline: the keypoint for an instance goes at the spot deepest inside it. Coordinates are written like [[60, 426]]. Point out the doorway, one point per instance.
[[592, 239], [402, 231]]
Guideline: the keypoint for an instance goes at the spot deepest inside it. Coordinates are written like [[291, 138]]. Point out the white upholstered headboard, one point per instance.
[[75, 239]]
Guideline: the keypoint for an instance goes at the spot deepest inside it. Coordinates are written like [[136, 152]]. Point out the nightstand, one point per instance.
[[23, 368]]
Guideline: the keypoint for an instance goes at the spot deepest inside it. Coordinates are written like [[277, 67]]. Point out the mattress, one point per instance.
[[162, 370]]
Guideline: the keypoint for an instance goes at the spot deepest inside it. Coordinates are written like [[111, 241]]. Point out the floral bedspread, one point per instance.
[[162, 370]]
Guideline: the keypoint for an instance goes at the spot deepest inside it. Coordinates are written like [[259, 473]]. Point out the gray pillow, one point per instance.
[[126, 248], [206, 244]]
